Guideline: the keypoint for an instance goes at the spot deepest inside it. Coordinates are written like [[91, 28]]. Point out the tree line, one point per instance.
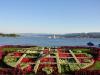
[[8, 35]]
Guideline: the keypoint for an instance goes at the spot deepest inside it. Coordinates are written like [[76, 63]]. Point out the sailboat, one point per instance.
[[54, 36]]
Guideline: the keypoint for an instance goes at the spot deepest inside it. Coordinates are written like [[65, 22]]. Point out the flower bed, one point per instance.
[[51, 66], [80, 55], [25, 60], [32, 54], [46, 51], [63, 61], [74, 67], [63, 55], [71, 60], [52, 55], [48, 60], [28, 69], [10, 59], [64, 68], [59, 50], [17, 54], [84, 60], [65, 58], [1, 53]]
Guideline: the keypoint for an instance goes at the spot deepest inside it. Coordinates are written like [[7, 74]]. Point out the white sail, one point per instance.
[[54, 36]]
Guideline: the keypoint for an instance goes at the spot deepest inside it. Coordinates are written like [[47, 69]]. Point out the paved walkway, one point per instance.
[[74, 57], [38, 61], [58, 64], [36, 66], [18, 62]]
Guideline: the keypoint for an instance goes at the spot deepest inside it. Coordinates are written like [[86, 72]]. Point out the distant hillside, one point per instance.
[[82, 35], [35, 34], [70, 35], [8, 35]]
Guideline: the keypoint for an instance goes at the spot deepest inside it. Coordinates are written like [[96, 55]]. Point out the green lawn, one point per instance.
[[96, 66], [80, 50], [64, 68], [11, 49]]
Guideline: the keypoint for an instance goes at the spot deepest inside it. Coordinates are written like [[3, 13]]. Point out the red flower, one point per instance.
[[46, 51], [17, 54], [25, 60], [28, 69]]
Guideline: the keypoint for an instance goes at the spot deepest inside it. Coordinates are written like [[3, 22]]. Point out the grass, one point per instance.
[[64, 68], [10, 60], [11, 49], [12, 64], [74, 67], [80, 50], [96, 66]]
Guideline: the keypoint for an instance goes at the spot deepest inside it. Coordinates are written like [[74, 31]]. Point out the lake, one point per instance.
[[43, 41]]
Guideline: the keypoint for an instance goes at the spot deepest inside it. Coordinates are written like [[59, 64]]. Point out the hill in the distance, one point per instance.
[[69, 35], [8, 35], [83, 35]]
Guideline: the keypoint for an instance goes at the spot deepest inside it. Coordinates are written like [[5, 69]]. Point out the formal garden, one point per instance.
[[48, 60]]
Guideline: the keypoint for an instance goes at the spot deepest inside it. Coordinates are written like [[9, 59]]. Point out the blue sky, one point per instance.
[[49, 16]]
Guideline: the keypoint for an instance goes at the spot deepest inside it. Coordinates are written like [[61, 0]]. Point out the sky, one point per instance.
[[49, 16]]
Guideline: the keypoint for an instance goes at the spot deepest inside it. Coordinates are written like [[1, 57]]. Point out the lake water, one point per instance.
[[41, 41]]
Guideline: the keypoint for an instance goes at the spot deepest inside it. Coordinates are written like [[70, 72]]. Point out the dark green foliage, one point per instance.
[[8, 35]]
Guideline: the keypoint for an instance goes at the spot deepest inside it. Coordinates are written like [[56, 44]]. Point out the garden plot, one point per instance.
[[49, 60]]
